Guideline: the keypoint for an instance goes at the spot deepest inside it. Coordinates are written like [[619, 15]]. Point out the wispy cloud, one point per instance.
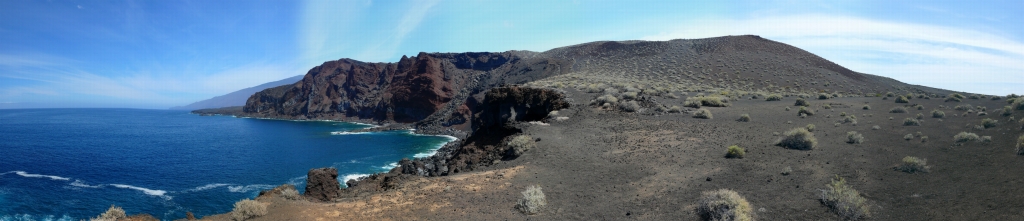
[[57, 82], [954, 58], [410, 20]]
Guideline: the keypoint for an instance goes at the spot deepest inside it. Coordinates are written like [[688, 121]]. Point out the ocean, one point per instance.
[[71, 164]]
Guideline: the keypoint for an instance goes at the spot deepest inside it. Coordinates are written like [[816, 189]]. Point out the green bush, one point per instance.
[[955, 95], [735, 151], [866, 107], [773, 97], [919, 116], [1018, 104], [248, 208], [801, 102], [1007, 111], [809, 127], [112, 214], [913, 165], [520, 144], [844, 200], [744, 118], [902, 99], [724, 204], [898, 110], [989, 123], [911, 122], [964, 137], [953, 99], [798, 138], [533, 200], [854, 138], [938, 114], [702, 113], [804, 110]]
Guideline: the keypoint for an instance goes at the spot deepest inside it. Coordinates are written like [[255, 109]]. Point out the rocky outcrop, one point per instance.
[[322, 184], [432, 88], [510, 104]]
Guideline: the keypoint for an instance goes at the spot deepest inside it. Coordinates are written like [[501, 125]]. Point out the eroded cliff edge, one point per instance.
[[429, 90]]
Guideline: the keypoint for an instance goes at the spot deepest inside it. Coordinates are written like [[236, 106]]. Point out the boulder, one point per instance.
[[322, 184]]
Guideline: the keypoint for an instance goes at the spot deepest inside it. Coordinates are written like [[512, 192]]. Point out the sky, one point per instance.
[[159, 54]]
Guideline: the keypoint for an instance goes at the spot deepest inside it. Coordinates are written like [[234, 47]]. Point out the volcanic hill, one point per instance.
[[623, 130]]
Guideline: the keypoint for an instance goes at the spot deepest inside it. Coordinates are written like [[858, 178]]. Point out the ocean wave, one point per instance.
[[433, 151], [352, 177], [348, 133], [150, 192], [29, 175], [390, 166], [205, 187], [79, 183], [27, 217], [249, 188], [297, 180]]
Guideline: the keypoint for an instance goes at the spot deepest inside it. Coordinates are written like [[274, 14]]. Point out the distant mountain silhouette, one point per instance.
[[236, 98]]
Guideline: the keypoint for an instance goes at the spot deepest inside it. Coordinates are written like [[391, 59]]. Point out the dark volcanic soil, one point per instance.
[[612, 165]]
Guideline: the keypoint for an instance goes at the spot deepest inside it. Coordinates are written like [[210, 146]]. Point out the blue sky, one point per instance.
[[158, 54]]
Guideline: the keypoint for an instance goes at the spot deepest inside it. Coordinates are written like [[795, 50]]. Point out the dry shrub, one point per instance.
[[710, 101], [520, 144], [854, 137], [629, 106], [773, 97], [724, 204], [913, 165], [964, 137], [938, 114], [898, 110], [988, 123], [533, 200], [798, 138], [801, 102], [805, 111], [1020, 145], [744, 118], [702, 113], [844, 200], [911, 122], [902, 99], [248, 208], [112, 214]]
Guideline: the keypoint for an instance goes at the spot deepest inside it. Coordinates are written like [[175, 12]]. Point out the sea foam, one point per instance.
[[150, 192], [79, 183], [29, 175], [206, 187], [352, 177], [249, 188], [348, 133]]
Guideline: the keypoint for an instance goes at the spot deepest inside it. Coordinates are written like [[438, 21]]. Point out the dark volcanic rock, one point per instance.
[[428, 87], [322, 184]]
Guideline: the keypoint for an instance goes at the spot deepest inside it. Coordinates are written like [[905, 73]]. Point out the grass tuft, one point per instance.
[[735, 151]]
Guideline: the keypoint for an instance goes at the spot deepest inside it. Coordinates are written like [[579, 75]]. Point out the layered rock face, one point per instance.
[[427, 86], [322, 184]]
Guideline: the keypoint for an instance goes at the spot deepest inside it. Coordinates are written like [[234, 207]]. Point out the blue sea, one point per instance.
[[71, 164]]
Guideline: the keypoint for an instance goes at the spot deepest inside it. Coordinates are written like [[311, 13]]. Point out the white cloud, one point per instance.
[[946, 57], [57, 82]]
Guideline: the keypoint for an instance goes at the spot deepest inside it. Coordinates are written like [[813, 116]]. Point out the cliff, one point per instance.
[[431, 88]]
